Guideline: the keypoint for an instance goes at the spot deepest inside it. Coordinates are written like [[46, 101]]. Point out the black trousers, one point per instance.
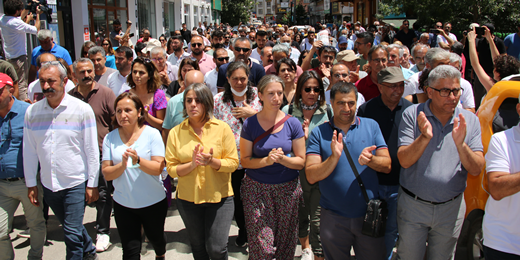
[[104, 205], [236, 182], [129, 223]]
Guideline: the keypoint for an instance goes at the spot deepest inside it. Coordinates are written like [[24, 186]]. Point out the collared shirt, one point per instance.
[[438, 175], [11, 136], [407, 73], [56, 50], [211, 80], [388, 121], [174, 60], [367, 87], [14, 37], [117, 83], [172, 71], [204, 184], [101, 99], [64, 141], [206, 63], [340, 191], [414, 68]]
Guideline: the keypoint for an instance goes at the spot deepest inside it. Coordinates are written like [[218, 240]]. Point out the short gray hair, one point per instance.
[[423, 35], [418, 46], [435, 54], [454, 57], [95, 50], [281, 48], [158, 49], [243, 39], [44, 34], [81, 60], [395, 46], [443, 72], [57, 65]]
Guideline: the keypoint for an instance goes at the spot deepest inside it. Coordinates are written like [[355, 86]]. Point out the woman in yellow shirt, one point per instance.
[[202, 153]]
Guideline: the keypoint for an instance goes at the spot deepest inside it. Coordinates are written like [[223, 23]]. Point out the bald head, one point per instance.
[[45, 57], [194, 76]]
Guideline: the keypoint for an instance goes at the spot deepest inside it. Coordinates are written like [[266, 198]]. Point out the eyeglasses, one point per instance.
[[308, 90], [7, 137], [106, 44], [163, 40], [141, 60], [439, 26], [158, 59], [342, 75], [196, 44], [223, 59], [238, 49], [445, 92]]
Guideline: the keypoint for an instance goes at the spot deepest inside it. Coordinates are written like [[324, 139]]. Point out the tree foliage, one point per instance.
[[504, 14], [300, 14], [236, 11]]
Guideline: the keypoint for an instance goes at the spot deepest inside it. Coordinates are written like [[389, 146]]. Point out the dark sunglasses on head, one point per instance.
[[238, 49], [197, 44], [223, 59], [308, 90]]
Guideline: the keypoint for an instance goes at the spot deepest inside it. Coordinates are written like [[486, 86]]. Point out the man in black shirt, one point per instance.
[[186, 34], [405, 35], [387, 110]]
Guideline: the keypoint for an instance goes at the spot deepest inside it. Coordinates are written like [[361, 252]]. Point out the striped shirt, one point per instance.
[[64, 141]]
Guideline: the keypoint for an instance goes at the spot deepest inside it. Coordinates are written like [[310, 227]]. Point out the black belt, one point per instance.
[[13, 179], [427, 201]]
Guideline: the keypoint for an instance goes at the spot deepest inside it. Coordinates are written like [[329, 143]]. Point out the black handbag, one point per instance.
[[374, 224]]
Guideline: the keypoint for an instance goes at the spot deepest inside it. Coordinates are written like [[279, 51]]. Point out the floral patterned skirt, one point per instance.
[[271, 212]]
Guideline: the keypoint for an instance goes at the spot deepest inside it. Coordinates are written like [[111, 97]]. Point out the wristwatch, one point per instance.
[[138, 159]]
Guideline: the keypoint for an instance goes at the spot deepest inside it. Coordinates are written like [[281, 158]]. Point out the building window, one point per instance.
[[268, 11], [268, 4], [260, 11], [169, 17], [103, 12], [146, 16]]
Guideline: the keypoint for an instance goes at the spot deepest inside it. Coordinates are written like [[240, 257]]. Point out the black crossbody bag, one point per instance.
[[374, 223]]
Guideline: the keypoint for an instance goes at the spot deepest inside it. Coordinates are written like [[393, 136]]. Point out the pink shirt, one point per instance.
[[206, 63]]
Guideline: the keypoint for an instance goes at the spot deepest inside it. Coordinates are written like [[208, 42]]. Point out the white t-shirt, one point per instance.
[[135, 188], [117, 83], [34, 90], [255, 54], [14, 32], [501, 224], [211, 80], [441, 38]]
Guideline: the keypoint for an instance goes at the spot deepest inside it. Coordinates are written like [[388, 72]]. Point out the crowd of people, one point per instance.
[[255, 124]]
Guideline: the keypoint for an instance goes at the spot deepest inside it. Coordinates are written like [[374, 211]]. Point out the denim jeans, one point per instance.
[[208, 227], [68, 206], [388, 193]]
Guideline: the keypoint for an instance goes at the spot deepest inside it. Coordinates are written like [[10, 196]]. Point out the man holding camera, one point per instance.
[[14, 31]]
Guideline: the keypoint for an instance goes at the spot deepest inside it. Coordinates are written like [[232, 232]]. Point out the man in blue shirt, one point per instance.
[[12, 183], [512, 43], [47, 44], [343, 205]]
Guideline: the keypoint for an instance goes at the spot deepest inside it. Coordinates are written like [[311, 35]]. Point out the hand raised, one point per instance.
[[459, 130], [336, 145], [425, 126], [203, 159], [366, 155], [305, 127]]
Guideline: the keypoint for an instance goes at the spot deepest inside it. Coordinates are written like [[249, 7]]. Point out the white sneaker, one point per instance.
[[102, 242], [306, 254]]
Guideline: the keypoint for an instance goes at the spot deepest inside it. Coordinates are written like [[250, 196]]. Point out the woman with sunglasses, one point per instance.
[[202, 153], [111, 59], [238, 102], [133, 158], [287, 71], [311, 110], [163, 41], [85, 47], [272, 145], [177, 87]]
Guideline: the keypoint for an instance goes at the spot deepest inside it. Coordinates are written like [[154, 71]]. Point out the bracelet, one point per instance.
[[138, 159]]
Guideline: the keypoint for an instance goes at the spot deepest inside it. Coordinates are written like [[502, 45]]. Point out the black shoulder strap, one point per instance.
[[353, 166], [290, 109], [329, 112], [235, 105]]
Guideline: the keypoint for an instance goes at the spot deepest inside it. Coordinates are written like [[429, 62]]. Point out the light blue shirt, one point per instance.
[[407, 73], [174, 112], [135, 188]]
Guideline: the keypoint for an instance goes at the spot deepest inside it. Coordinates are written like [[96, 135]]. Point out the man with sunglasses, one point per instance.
[[220, 57], [439, 144], [433, 36], [387, 110], [445, 38], [12, 183], [197, 51], [405, 35]]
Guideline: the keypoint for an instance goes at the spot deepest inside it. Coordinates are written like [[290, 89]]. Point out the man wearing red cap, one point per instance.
[[12, 181]]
